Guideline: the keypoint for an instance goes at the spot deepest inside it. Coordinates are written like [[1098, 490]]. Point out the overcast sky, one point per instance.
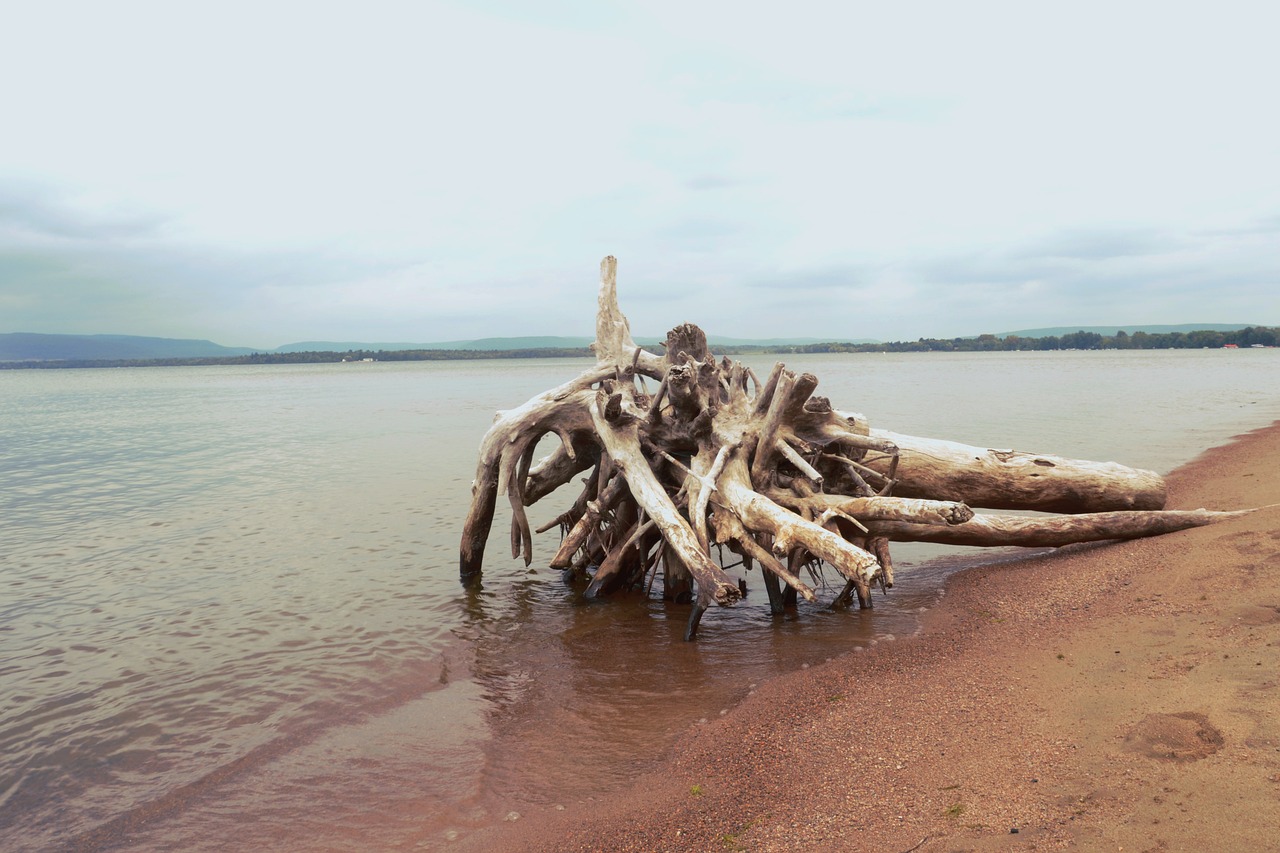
[[258, 173]]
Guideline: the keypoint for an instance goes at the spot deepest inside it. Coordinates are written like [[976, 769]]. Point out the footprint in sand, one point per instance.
[[1253, 543], [1257, 614], [1185, 736]]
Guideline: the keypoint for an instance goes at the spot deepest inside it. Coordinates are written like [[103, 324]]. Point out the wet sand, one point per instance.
[[1109, 697]]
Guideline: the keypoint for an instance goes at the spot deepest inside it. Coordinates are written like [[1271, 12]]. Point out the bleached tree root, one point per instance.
[[717, 459], [993, 531]]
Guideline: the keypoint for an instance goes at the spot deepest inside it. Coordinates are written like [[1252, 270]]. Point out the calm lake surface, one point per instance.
[[230, 616]]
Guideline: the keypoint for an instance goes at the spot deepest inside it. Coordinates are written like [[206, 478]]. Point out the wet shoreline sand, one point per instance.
[[1119, 696]]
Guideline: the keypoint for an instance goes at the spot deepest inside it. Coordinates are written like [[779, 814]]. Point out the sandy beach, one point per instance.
[[1111, 697]]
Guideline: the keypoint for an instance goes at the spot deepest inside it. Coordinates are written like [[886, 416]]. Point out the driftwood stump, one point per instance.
[[768, 471]]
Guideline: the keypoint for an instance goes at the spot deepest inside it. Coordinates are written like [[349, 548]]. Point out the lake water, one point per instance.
[[230, 616]]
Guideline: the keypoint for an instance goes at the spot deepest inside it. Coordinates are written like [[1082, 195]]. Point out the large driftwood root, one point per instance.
[[715, 459]]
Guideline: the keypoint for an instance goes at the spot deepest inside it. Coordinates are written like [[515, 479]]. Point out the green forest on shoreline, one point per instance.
[[1252, 336]]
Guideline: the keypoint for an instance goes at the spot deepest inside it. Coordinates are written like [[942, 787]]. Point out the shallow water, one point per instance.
[[229, 613]]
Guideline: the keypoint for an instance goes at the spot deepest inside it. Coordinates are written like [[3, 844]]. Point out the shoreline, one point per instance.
[[1114, 696]]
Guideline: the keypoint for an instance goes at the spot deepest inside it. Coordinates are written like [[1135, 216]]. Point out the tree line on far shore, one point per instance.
[[309, 357], [1267, 336]]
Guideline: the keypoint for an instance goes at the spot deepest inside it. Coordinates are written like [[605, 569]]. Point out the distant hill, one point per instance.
[[28, 346], [536, 342], [1112, 331], [716, 340]]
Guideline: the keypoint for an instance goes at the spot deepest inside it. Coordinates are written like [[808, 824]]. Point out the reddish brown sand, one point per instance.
[[1115, 697]]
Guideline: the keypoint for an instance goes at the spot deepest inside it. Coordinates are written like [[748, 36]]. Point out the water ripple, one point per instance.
[[229, 614]]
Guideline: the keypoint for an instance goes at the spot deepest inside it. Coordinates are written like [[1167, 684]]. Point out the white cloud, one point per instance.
[[257, 173]]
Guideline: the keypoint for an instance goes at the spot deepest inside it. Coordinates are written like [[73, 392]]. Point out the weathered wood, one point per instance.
[[1013, 479], [769, 470], [914, 510], [621, 441], [730, 530], [879, 545], [563, 408], [787, 529], [621, 559], [559, 467], [589, 522], [993, 531], [702, 488]]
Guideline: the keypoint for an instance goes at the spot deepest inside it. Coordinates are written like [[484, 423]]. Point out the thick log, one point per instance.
[[1012, 479], [993, 531]]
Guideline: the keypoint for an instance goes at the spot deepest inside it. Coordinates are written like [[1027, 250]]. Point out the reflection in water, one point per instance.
[[593, 691]]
